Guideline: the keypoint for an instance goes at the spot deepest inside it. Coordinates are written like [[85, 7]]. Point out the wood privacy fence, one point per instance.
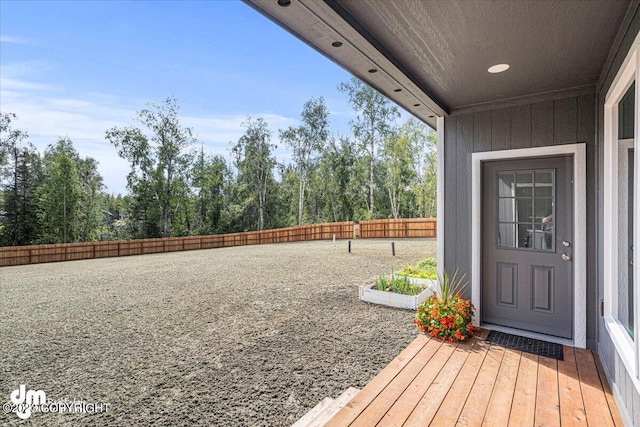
[[35, 254], [408, 227]]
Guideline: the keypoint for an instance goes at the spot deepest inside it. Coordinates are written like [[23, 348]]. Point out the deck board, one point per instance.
[[381, 404], [571, 405], [436, 393], [475, 383], [478, 400], [498, 412], [615, 414], [595, 401], [453, 404], [524, 397], [547, 398], [402, 408], [360, 402]]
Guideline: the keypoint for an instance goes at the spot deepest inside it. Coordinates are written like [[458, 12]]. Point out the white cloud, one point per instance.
[[47, 114], [12, 40], [12, 85]]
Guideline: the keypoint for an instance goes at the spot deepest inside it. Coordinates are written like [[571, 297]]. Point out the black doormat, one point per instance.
[[529, 345]]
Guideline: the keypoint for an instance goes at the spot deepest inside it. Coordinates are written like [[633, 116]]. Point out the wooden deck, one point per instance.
[[475, 383]]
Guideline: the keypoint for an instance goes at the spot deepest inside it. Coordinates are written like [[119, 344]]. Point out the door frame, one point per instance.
[[578, 153]]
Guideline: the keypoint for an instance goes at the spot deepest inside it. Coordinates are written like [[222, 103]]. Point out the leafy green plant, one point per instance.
[[398, 285], [423, 269], [381, 284], [447, 315]]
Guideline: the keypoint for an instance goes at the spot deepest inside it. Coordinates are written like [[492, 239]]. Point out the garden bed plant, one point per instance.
[[423, 269], [399, 285]]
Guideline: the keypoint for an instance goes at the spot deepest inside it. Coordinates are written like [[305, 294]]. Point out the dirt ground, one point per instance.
[[245, 336]]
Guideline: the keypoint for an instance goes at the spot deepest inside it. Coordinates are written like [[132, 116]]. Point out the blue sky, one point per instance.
[[76, 68]]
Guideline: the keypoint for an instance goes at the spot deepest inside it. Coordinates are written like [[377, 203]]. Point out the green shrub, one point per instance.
[[398, 285], [423, 269]]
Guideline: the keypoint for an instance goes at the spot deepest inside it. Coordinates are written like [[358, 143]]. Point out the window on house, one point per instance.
[[621, 212], [525, 210], [626, 190]]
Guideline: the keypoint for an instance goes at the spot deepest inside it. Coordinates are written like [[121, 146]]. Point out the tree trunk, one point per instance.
[[64, 212], [371, 179], [301, 200], [15, 198], [261, 212], [167, 202], [395, 209], [166, 231], [432, 208]]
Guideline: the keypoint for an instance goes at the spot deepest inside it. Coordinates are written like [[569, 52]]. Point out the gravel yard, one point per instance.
[[253, 335]]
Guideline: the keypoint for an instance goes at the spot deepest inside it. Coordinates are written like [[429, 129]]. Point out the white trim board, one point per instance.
[[440, 177], [579, 154]]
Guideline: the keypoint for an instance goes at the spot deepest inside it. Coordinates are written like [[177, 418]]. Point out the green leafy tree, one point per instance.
[[425, 166], [255, 163], [374, 121], [20, 174], [342, 179], [159, 159], [115, 224], [400, 152], [89, 216], [210, 177], [59, 195], [288, 191], [306, 141]]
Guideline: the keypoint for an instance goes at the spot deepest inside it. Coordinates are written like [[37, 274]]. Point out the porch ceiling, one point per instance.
[[438, 52]]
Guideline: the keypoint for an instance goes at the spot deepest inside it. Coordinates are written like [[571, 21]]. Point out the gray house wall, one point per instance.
[[627, 395], [543, 120]]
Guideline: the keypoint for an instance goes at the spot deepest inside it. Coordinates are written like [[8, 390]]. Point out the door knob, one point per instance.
[[566, 244], [566, 257]]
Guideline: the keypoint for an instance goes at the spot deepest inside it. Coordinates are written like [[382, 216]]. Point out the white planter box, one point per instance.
[[370, 294]]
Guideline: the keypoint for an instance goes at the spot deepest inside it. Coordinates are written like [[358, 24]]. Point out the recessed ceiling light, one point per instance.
[[498, 68], [416, 105], [373, 70], [336, 44], [284, 3], [397, 90]]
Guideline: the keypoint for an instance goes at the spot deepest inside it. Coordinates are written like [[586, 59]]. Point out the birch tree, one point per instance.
[[306, 141], [255, 162], [159, 159], [372, 125], [399, 153]]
